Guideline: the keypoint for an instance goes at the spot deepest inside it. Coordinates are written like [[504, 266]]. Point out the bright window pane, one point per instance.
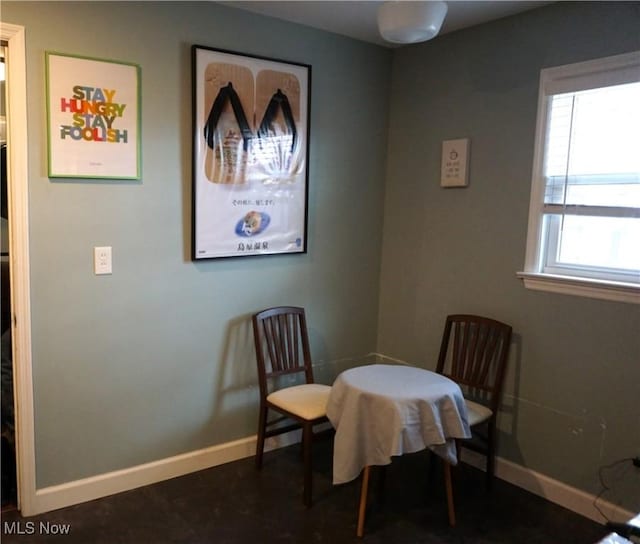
[[592, 153], [606, 194], [611, 242]]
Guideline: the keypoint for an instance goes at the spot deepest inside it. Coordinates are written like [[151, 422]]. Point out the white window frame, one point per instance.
[[591, 74]]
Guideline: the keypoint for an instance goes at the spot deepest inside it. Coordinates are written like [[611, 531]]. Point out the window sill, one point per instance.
[[605, 290]]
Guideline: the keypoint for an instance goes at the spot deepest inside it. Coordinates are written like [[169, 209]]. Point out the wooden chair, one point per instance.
[[474, 353], [282, 351]]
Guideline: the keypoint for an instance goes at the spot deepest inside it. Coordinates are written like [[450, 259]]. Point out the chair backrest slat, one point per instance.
[[488, 361], [269, 331], [479, 373], [474, 353], [458, 351], [279, 340], [282, 344]]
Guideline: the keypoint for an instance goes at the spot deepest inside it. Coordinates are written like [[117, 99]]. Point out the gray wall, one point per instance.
[[573, 386], [157, 359]]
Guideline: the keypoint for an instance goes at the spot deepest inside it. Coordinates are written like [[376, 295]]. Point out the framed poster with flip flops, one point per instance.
[[250, 154]]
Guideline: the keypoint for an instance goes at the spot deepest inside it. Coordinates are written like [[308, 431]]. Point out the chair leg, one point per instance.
[[362, 509], [491, 454], [431, 474], [449, 486], [382, 481], [307, 443], [262, 425]]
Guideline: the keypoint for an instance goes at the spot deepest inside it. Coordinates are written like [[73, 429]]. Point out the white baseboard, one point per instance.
[[552, 490], [95, 487]]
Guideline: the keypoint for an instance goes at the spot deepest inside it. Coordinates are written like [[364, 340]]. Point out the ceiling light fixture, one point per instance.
[[410, 22]]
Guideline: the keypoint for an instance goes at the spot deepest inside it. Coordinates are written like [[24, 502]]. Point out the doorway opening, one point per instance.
[[19, 320], [8, 435]]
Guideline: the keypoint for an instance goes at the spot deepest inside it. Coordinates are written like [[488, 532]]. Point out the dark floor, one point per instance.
[[235, 503]]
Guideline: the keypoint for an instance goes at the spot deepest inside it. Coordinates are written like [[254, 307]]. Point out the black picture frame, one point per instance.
[[250, 154]]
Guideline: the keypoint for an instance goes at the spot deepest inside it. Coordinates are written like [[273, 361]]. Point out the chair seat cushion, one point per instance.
[[308, 401], [477, 412]]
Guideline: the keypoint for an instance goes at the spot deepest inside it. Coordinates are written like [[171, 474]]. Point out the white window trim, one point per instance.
[[572, 285], [555, 80]]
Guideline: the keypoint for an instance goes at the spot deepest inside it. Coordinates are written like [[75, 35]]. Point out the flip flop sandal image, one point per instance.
[[229, 93], [277, 147]]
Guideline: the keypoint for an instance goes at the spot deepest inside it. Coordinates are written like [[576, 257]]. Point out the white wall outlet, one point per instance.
[[102, 260]]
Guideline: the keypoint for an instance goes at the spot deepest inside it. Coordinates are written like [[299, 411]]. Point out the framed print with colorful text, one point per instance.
[[250, 154], [93, 117]]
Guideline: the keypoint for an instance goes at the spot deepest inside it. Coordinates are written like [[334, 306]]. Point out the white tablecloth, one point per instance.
[[380, 411]]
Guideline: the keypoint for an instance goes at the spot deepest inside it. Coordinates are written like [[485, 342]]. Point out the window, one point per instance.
[[584, 218]]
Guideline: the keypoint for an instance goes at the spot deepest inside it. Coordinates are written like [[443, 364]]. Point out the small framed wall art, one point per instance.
[[250, 154], [454, 170], [93, 117]]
